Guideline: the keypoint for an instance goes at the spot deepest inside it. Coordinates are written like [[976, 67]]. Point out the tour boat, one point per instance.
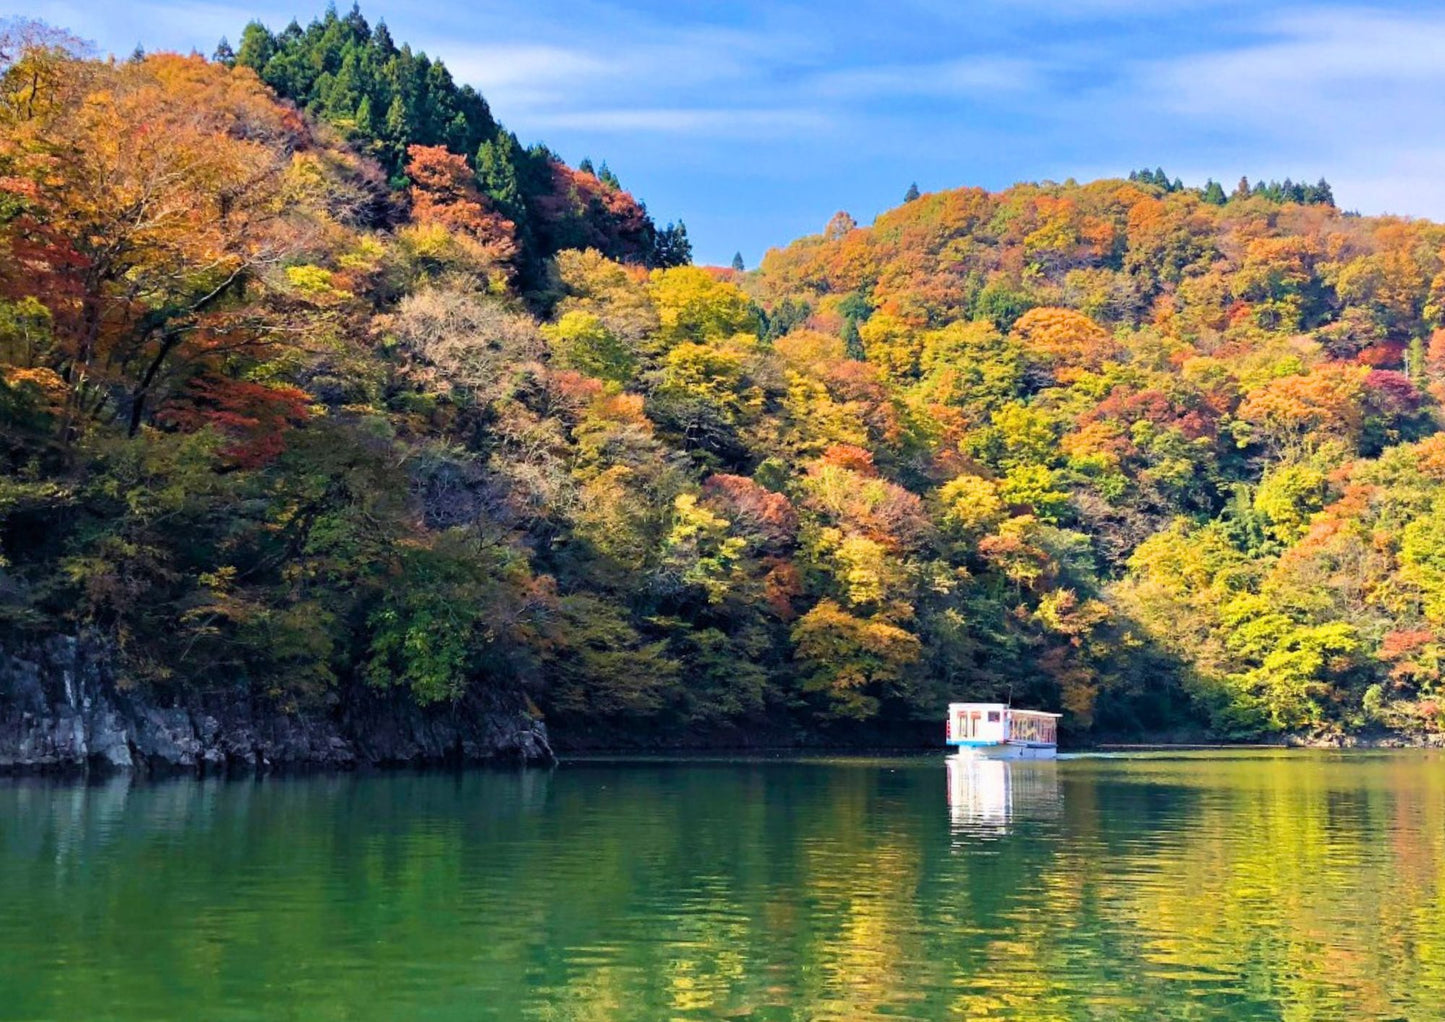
[[999, 731]]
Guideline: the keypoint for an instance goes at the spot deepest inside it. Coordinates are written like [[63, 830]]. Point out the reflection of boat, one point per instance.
[[989, 796], [998, 731]]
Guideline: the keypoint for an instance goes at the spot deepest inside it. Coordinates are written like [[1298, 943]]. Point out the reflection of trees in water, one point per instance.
[[1079, 890]]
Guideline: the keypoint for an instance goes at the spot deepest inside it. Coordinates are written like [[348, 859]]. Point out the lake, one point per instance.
[[1247, 885]]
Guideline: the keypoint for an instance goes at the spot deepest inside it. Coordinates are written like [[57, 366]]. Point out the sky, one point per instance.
[[755, 120]]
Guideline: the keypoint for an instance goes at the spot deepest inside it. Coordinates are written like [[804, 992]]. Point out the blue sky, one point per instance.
[[754, 121]]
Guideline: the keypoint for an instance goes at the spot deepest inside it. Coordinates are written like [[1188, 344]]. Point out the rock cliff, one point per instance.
[[61, 711]]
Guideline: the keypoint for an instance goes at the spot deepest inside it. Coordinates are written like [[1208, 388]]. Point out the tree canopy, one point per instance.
[[307, 397]]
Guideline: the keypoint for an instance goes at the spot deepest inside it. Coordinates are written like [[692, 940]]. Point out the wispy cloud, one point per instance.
[[1322, 66], [964, 78], [718, 123], [501, 66]]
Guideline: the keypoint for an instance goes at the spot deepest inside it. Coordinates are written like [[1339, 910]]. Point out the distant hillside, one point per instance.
[[1229, 401]]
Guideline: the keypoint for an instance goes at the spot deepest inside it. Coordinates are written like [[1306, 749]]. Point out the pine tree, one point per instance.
[[365, 119], [738, 262], [853, 340], [224, 54], [258, 46], [381, 40], [1214, 193], [912, 192], [398, 124], [672, 247], [605, 175], [497, 174], [586, 166]]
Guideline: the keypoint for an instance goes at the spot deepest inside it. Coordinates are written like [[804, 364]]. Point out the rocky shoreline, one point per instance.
[[61, 711]]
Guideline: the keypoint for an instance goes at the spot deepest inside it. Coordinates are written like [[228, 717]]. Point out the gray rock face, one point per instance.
[[60, 710]]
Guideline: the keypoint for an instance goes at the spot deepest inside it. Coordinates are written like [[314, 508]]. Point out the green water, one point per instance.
[[1294, 886]]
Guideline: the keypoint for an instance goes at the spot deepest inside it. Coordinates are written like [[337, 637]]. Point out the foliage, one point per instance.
[[388, 100], [395, 403]]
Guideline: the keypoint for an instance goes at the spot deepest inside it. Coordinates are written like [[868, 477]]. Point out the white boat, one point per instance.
[[1000, 731]]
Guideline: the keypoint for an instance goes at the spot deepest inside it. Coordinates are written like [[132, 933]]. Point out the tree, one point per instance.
[[139, 301], [444, 192], [738, 264], [852, 662], [497, 174], [853, 340], [672, 247], [693, 305], [912, 193], [840, 224], [581, 341]]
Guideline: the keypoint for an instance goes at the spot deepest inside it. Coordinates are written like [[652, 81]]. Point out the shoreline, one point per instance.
[[241, 770]]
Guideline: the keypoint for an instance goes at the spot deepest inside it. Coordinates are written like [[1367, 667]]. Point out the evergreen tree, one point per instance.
[[853, 340], [360, 31], [1214, 193], [381, 40], [224, 54], [912, 192], [397, 130], [365, 119], [258, 46], [738, 262], [605, 175], [672, 247], [1241, 190], [586, 166], [497, 174]]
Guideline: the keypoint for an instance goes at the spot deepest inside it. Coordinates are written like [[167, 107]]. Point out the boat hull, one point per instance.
[[1007, 750]]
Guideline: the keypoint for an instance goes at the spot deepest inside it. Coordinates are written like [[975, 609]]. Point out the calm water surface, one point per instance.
[[1295, 886]]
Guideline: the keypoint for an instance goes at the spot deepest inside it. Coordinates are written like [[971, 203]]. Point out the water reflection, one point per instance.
[[987, 797], [1254, 888]]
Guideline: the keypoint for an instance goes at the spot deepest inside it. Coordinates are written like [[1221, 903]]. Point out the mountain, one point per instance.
[[303, 414]]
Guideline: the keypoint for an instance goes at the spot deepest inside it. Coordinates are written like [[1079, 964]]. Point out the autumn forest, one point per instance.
[[315, 379]]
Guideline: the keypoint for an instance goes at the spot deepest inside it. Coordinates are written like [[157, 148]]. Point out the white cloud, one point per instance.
[[1322, 66], [497, 67]]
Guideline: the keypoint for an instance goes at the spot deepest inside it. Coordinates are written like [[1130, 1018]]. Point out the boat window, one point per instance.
[[993, 716]]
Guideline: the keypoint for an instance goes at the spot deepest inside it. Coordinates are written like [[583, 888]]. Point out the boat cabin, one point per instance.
[[982, 724]]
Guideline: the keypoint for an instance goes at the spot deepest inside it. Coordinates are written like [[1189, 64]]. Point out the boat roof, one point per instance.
[[1000, 706]]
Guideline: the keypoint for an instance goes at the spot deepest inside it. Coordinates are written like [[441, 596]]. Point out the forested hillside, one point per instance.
[[314, 379], [383, 99]]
